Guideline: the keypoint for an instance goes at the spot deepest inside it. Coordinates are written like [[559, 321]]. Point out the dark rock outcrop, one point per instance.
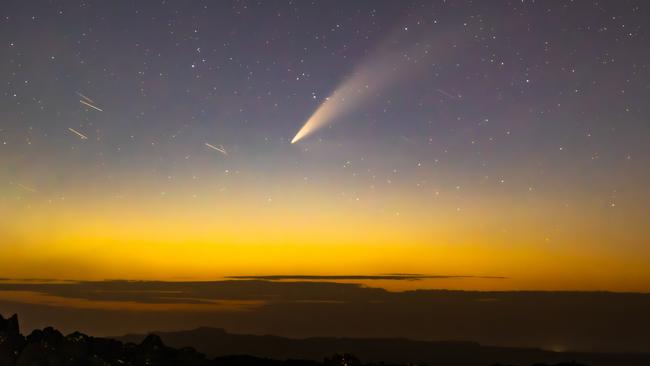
[[11, 341], [10, 325]]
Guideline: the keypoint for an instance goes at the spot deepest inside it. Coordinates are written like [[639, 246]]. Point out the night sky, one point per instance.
[[152, 140]]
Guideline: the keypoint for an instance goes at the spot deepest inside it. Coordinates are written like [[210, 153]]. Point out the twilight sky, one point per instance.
[[152, 140]]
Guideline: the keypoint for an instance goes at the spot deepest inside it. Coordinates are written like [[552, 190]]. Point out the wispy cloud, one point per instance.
[[389, 276]]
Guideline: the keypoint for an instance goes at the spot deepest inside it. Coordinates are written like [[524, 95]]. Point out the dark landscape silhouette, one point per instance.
[[215, 347], [553, 320]]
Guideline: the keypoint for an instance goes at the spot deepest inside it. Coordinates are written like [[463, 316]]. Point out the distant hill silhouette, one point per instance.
[[216, 342], [48, 347]]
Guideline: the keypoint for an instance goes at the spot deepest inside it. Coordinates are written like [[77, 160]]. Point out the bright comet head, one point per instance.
[[314, 122]]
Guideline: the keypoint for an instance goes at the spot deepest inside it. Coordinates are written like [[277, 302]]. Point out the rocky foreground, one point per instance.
[[48, 347]]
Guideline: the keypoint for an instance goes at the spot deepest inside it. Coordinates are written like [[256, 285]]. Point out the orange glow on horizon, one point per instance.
[[207, 239]]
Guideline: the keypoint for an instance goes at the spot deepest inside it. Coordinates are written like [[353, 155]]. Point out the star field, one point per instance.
[[510, 141]]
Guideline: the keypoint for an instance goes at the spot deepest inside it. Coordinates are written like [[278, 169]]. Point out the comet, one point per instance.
[[399, 60], [352, 93], [81, 135], [220, 148], [89, 105]]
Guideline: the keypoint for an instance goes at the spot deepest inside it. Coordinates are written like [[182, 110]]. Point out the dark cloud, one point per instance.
[[287, 288], [196, 292], [389, 276]]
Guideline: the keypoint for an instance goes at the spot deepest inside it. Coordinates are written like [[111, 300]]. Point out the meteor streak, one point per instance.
[[28, 189], [220, 149], [85, 97], [83, 137], [447, 94], [89, 105]]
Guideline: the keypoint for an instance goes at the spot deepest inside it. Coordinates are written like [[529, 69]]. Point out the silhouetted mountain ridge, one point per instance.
[[216, 342], [49, 347]]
